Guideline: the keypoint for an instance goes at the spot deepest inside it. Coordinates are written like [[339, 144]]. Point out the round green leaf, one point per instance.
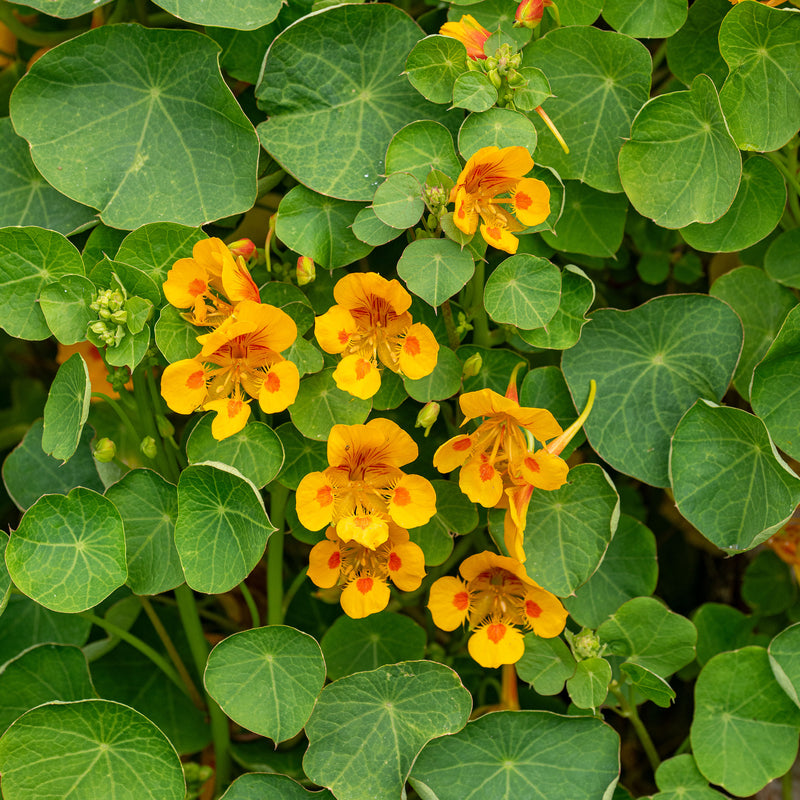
[[535, 92], [222, 527], [680, 164], [727, 477], [579, 12], [588, 685], [30, 258], [369, 229], [148, 506], [101, 748], [629, 569], [784, 659], [359, 645], [568, 530], [546, 664], [781, 262], [267, 679], [474, 91], [5, 578], [256, 451], [421, 147], [600, 79], [391, 394], [243, 15], [175, 337], [67, 409], [497, 126], [761, 96], [435, 269], [775, 392], [649, 685], [720, 628], [398, 201], [453, 508], [433, 65], [65, 305], [68, 552], [755, 212], [768, 586], [367, 729], [524, 291], [168, 141], [320, 405], [650, 363], [26, 198], [103, 242], [258, 786], [679, 779], [301, 456], [739, 702], [332, 85], [695, 48], [320, 227], [645, 19], [521, 754], [443, 382], [645, 632]]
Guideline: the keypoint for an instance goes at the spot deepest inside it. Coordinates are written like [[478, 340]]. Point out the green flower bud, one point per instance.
[[495, 78], [119, 317], [105, 450], [427, 416], [165, 427], [472, 366], [586, 644], [148, 447]]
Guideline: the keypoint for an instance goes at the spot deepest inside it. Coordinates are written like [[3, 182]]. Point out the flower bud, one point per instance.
[[529, 13], [105, 450], [306, 271], [148, 447], [120, 317], [242, 247], [586, 644], [427, 416], [165, 427], [472, 366], [495, 78]]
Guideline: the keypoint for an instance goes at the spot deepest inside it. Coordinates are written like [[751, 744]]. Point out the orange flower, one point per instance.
[[470, 33], [530, 12], [495, 597], [362, 572], [371, 323], [493, 171]]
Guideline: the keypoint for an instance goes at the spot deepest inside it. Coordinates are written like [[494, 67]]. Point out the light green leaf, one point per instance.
[[101, 748], [259, 786], [680, 164], [588, 685], [535, 92], [391, 394], [546, 664], [524, 291], [727, 477], [175, 337], [267, 679], [579, 12], [694, 48], [720, 628], [650, 363], [784, 659], [781, 262], [497, 126], [474, 92], [435, 269], [768, 586], [67, 409], [367, 729], [398, 201], [433, 65], [103, 242], [649, 685], [243, 15], [65, 305], [369, 229], [645, 19], [222, 527], [168, 142], [66, 9], [302, 456], [679, 779], [421, 147], [442, 383]]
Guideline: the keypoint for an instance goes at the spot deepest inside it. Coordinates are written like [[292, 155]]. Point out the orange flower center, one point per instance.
[[272, 383], [486, 472], [364, 585], [522, 200], [532, 609], [496, 631], [324, 495], [395, 562], [412, 346], [462, 444], [195, 380], [335, 560], [197, 287], [532, 464], [402, 497], [461, 601], [362, 368]]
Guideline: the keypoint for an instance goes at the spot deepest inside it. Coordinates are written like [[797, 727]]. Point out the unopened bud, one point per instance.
[[242, 247], [427, 416], [306, 271], [529, 13], [495, 78], [472, 366], [120, 317], [105, 450], [515, 80], [586, 644], [148, 447], [165, 427]]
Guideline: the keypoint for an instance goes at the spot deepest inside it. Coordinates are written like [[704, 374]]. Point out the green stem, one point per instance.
[[147, 419], [117, 408], [187, 608], [293, 587], [119, 14], [35, 38], [277, 509], [480, 322], [171, 452], [141, 646], [659, 55], [786, 786], [628, 710], [269, 182], [450, 325], [251, 605], [793, 181], [217, 619]]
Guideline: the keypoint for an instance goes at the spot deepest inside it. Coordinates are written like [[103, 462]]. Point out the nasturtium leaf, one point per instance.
[[26, 198], [588, 685], [501, 127], [243, 15], [367, 729], [579, 12], [175, 337], [600, 79], [45, 673], [66, 9], [645, 632], [453, 508], [221, 529], [320, 227], [107, 274], [497, 364], [392, 392], [592, 222], [679, 779], [103, 242], [680, 164], [148, 506], [739, 702], [755, 212], [261, 786], [535, 92], [320, 405], [30, 258], [67, 409], [301, 456], [433, 65], [435, 541], [546, 664], [720, 628], [169, 142], [327, 127], [369, 229], [523, 290], [495, 15], [784, 659], [102, 749], [564, 329], [694, 48], [267, 679], [568, 530], [5, 578], [781, 262], [649, 685], [68, 552], [650, 363], [421, 147], [761, 95], [65, 305], [474, 92], [645, 19], [727, 477], [629, 569], [359, 645], [443, 382], [255, 451], [775, 389], [435, 269], [521, 754], [398, 201]]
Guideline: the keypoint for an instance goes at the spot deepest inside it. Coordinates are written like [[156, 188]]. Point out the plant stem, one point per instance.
[[117, 408], [786, 786], [277, 508], [480, 322], [509, 696], [293, 587], [35, 38], [628, 710], [187, 608], [269, 182], [171, 453], [450, 325], [251, 604]]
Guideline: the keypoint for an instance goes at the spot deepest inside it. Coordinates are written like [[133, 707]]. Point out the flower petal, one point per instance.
[[334, 329], [412, 502], [543, 470], [453, 453], [368, 530], [315, 501], [500, 237], [237, 283], [324, 564], [186, 282], [449, 603], [406, 565], [419, 352], [531, 201], [357, 376], [481, 482], [232, 415], [363, 596], [496, 643], [543, 612], [183, 385], [280, 386]]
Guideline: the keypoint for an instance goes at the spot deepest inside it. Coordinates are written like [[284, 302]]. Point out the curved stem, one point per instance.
[[29, 36], [251, 604], [277, 508], [293, 587], [117, 408], [629, 711]]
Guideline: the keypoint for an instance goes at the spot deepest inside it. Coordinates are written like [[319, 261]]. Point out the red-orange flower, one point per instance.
[[470, 33]]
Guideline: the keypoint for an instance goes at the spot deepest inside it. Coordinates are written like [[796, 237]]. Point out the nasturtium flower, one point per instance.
[[363, 572], [240, 358], [498, 602], [488, 174], [364, 492], [470, 33], [371, 323], [530, 12]]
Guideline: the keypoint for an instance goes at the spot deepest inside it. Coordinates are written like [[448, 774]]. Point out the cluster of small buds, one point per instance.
[[435, 198], [112, 316], [586, 644]]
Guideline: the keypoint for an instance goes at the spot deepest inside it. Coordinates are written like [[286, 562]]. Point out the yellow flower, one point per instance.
[[470, 33], [371, 323], [491, 172], [364, 492], [363, 572], [495, 598], [240, 358]]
